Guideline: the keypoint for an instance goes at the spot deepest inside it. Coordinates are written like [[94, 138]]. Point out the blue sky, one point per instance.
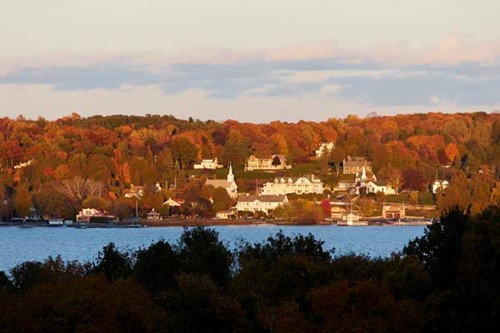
[[251, 61]]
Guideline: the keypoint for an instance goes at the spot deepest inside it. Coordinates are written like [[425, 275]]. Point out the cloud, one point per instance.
[[105, 76], [381, 75]]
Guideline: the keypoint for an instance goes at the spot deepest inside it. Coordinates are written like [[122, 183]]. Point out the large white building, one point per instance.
[[211, 164], [276, 162], [229, 184], [260, 203], [297, 185]]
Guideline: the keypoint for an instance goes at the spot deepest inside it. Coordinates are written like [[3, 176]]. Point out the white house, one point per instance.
[[276, 162], [297, 185], [211, 164], [375, 187], [23, 165], [260, 203], [86, 214], [324, 148], [229, 184], [346, 185], [439, 184], [174, 203], [153, 215], [225, 214]]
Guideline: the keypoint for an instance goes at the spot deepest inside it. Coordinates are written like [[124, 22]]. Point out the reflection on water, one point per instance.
[[22, 244]]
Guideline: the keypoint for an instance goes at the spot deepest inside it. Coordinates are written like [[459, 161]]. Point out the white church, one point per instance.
[[229, 184]]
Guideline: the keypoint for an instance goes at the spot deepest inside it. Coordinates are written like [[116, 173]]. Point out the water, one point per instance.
[[18, 245]]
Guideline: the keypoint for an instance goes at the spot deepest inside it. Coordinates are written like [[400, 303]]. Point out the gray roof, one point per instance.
[[356, 161], [261, 198]]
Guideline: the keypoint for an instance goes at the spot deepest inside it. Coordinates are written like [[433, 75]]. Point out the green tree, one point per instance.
[[23, 201], [184, 152], [237, 149], [157, 266], [198, 305], [113, 263], [440, 248], [222, 200], [57, 204], [202, 252]]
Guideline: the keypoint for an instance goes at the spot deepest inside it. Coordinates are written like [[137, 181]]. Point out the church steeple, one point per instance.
[[230, 176]]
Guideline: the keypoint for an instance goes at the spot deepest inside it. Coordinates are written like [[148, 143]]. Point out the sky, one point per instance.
[[254, 61]]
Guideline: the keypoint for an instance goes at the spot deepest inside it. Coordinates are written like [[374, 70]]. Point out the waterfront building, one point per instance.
[[92, 214], [153, 215], [225, 214], [260, 203], [296, 185], [393, 211]]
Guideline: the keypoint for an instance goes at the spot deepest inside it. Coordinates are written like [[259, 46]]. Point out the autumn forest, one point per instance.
[[58, 167]]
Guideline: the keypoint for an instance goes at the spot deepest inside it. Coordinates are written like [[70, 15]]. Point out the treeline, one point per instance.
[[445, 281], [98, 158]]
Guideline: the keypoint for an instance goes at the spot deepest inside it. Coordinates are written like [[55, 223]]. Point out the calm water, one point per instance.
[[22, 244]]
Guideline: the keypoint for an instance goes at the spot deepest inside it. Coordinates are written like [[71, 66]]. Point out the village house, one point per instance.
[[260, 203], [153, 215], [346, 184], [439, 184], [229, 184], [85, 214], [393, 211], [353, 165], [89, 214], [339, 209], [174, 203], [324, 148], [297, 185], [276, 162], [379, 186], [225, 214], [210, 164]]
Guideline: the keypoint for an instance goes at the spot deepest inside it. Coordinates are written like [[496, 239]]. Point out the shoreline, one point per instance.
[[200, 223]]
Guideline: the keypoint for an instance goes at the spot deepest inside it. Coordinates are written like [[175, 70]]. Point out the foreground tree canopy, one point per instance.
[[445, 281]]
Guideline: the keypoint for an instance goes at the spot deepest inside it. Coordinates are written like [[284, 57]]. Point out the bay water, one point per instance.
[[18, 245]]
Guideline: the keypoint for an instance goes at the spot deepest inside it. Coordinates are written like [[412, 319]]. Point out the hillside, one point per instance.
[[59, 166]]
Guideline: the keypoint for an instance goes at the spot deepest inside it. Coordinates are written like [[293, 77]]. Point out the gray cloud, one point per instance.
[[102, 76], [465, 84]]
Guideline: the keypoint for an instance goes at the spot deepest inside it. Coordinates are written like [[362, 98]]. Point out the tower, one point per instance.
[[363, 175], [230, 175]]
